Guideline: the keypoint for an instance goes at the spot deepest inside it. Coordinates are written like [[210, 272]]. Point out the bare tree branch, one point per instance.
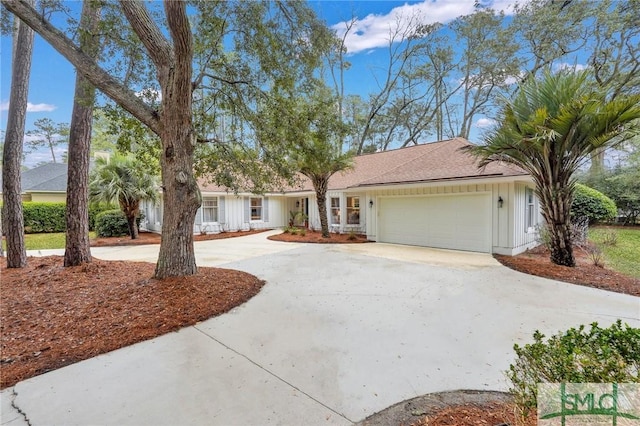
[[85, 65]]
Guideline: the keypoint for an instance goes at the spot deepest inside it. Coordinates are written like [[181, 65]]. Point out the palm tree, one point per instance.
[[550, 128], [309, 127], [123, 179]]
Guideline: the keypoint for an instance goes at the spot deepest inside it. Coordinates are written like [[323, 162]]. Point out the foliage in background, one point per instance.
[[622, 185], [593, 205], [597, 355]]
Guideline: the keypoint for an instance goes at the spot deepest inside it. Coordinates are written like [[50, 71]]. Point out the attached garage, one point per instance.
[[455, 221]]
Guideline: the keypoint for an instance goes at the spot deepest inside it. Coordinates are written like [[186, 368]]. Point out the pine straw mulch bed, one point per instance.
[[51, 316], [491, 414], [316, 237], [585, 273], [153, 238]]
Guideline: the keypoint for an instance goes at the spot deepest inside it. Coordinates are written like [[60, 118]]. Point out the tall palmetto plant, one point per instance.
[[124, 180], [550, 128]]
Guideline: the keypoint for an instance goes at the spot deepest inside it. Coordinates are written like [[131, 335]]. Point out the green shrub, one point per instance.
[[95, 209], [111, 223], [592, 204], [600, 355], [43, 217]]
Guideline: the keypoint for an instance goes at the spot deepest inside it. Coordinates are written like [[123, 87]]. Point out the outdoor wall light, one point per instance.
[[297, 204], [370, 203], [500, 202]]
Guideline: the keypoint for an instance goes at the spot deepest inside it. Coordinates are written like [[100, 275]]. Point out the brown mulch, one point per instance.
[[51, 316], [494, 413], [316, 237], [537, 262], [153, 238]]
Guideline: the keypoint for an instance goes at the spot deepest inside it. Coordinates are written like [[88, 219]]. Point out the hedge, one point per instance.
[[592, 204], [43, 217], [40, 217]]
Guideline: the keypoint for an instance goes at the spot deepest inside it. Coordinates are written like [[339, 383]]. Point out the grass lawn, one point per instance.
[[623, 255], [45, 241]]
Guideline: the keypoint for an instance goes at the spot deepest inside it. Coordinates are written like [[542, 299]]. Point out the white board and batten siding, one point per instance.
[[235, 213], [461, 217]]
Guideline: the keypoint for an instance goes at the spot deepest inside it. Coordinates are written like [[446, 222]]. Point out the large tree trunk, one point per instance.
[[77, 249], [320, 184], [13, 220], [181, 195], [556, 206]]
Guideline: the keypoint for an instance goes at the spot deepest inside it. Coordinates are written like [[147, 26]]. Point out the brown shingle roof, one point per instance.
[[443, 160]]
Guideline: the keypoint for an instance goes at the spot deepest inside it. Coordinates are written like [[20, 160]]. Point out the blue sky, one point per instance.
[[53, 78]]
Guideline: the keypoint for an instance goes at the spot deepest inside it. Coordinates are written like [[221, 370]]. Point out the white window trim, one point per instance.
[[530, 211], [339, 209], [347, 207], [251, 220], [217, 208]]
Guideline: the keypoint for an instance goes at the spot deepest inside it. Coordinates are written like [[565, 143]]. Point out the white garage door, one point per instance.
[[459, 222]]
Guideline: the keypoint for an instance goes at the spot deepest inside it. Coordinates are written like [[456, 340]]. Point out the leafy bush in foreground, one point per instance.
[[600, 355]]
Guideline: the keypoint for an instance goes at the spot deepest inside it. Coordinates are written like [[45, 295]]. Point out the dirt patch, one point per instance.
[[54, 316], [536, 262], [316, 237]]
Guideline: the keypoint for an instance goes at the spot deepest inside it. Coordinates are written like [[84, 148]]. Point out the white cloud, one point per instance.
[[571, 67], [483, 123], [40, 107], [4, 106], [373, 30]]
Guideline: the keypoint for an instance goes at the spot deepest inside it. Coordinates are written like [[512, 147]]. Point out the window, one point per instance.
[[335, 211], [210, 209], [353, 210], [530, 211], [256, 208]]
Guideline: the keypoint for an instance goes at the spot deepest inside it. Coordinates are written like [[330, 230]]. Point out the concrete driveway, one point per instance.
[[338, 333]]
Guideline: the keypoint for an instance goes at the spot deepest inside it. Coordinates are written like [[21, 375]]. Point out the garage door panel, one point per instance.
[[459, 222]]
